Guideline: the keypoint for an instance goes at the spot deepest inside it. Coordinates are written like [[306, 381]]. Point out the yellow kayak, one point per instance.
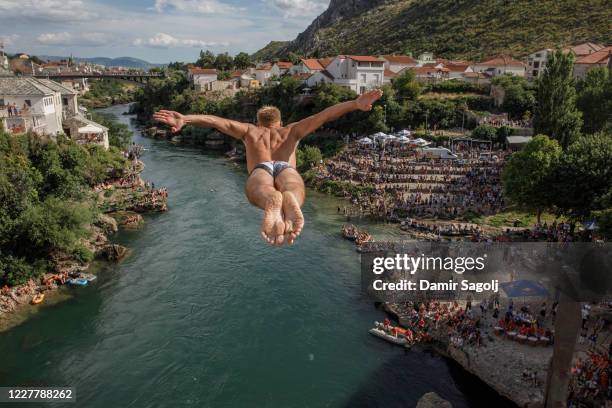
[[38, 299]]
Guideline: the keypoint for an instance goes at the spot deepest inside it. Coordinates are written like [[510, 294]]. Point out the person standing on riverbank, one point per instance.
[[273, 184]]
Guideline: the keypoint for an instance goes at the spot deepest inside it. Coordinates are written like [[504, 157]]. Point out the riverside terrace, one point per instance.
[[398, 181]]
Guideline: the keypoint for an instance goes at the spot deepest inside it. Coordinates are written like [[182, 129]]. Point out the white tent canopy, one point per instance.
[[421, 142], [90, 129], [403, 139], [365, 140], [391, 137], [404, 132]]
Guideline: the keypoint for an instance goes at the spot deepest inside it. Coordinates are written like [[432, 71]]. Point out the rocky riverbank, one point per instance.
[[120, 203], [500, 363]]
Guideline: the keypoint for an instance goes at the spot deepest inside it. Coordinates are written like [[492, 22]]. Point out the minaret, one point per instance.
[[3, 58]]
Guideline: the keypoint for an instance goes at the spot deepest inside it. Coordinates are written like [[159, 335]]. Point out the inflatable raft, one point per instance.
[[400, 341]]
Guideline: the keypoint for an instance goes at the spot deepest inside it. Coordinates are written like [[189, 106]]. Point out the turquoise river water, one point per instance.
[[203, 313]]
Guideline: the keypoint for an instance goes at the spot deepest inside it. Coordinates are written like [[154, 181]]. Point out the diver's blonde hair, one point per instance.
[[268, 115]]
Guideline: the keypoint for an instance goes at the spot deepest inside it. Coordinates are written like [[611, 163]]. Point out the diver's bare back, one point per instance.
[[269, 144]]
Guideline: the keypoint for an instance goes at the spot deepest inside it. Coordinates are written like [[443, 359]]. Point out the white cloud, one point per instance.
[[8, 40], [75, 39], [45, 10], [163, 40], [194, 6], [295, 8]]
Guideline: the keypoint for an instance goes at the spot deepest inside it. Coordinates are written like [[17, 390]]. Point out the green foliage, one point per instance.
[[594, 100], [526, 175], [44, 205], [406, 85], [519, 98], [119, 134], [308, 157], [159, 92], [105, 92], [456, 86], [582, 181], [471, 30], [485, 132], [555, 113], [242, 60]]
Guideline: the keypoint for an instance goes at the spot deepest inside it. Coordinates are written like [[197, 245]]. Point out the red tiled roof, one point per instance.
[[236, 74], [264, 67], [586, 48], [502, 60], [399, 59], [284, 64], [598, 57], [364, 58], [313, 64], [326, 61], [202, 71], [389, 73], [456, 67]]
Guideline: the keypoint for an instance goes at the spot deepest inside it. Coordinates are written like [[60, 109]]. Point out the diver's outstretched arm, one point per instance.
[[176, 121], [306, 126]]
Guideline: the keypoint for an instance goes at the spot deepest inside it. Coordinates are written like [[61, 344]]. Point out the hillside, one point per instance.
[[269, 51], [453, 28], [128, 62]]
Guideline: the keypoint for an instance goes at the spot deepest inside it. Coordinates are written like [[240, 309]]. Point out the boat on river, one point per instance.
[[400, 341], [89, 276], [78, 282]]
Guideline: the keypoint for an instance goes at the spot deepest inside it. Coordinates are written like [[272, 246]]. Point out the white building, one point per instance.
[[536, 62], [263, 73], [397, 63], [425, 58], [280, 68], [46, 107], [28, 105], [501, 65], [357, 72], [316, 79], [601, 58], [307, 66], [202, 78]]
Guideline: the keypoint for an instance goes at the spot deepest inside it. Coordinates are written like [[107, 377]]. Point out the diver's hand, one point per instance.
[[365, 101], [173, 119]]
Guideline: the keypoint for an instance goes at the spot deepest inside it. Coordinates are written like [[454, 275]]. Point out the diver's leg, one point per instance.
[[290, 183], [261, 192]]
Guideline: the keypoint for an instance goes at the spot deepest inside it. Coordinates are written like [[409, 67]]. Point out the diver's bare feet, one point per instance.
[[294, 219], [273, 226]]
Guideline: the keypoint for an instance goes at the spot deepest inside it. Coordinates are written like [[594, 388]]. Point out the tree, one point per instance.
[[294, 58], [485, 132], [224, 62], [583, 176], [308, 157], [242, 60], [526, 174], [594, 100], [119, 134], [207, 59], [406, 85], [555, 113], [517, 101]]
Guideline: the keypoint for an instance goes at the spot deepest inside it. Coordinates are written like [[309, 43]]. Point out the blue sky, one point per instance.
[[154, 30]]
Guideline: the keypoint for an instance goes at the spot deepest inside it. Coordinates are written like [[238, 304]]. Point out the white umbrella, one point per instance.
[[404, 132], [391, 137], [90, 129], [421, 142], [403, 139], [365, 140]]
